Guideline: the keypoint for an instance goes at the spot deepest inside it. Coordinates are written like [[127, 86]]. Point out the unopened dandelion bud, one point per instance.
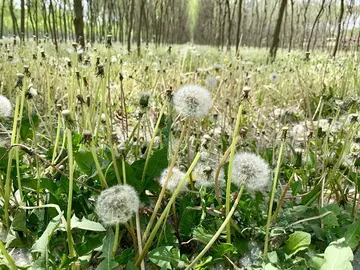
[[284, 132], [19, 81], [26, 71], [116, 205], [86, 136]]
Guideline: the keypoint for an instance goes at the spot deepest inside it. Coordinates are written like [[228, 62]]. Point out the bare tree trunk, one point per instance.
[[341, 15], [36, 21], [64, 20], [22, 20], [276, 39], [304, 24], [79, 22], [314, 25], [131, 19], [229, 25], [51, 9], [30, 17], [139, 29], [13, 18], [239, 25], [291, 25], [2, 20]]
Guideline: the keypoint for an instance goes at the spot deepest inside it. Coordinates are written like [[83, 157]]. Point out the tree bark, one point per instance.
[[314, 25], [341, 15], [13, 18], [140, 24], [22, 20], [2, 20], [131, 20], [51, 9], [239, 25], [276, 39], [79, 22]]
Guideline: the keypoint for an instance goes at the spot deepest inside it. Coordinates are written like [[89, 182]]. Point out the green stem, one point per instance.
[[162, 193], [97, 165], [218, 232], [70, 196], [148, 151], [167, 209], [231, 163], [273, 190], [7, 256]]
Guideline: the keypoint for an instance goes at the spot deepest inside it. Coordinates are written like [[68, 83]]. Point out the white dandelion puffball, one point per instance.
[[117, 204], [250, 170], [273, 76], [204, 174], [5, 107], [192, 100], [211, 82], [174, 180]]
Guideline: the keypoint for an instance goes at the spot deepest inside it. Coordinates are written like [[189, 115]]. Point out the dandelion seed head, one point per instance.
[[273, 76], [117, 204], [211, 82], [5, 107], [204, 174], [250, 170], [193, 101], [21, 257], [174, 180]]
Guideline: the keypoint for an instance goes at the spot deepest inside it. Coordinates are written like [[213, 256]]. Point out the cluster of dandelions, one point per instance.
[[117, 204], [5, 107], [192, 101]]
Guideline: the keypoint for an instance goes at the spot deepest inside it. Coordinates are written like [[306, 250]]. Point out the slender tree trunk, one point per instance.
[[79, 23], [314, 25], [140, 24], [31, 17], [291, 25], [276, 39], [239, 25], [64, 20], [22, 20], [36, 21], [131, 20], [51, 9], [13, 18], [229, 25], [341, 15], [2, 19]]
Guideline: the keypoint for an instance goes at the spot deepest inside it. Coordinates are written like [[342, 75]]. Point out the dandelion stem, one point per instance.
[[7, 256], [231, 163], [273, 190], [166, 210], [138, 233], [70, 195], [218, 232], [162, 193], [148, 151], [97, 165]]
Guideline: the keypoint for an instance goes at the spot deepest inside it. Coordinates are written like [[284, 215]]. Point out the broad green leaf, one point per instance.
[[85, 162], [19, 222], [202, 235], [269, 266], [331, 220], [108, 263], [273, 257], [338, 256], [41, 244], [352, 234], [316, 262], [90, 243], [131, 266], [297, 241], [187, 222], [85, 224], [125, 256], [163, 257]]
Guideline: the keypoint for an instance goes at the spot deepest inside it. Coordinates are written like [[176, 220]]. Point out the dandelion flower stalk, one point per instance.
[[166, 210], [162, 193], [148, 151], [70, 194], [272, 196], [219, 231], [7, 256], [231, 163]]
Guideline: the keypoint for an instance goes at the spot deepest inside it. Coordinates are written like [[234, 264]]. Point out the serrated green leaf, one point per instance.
[[331, 220], [338, 256], [163, 257], [41, 244], [85, 224], [108, 263], [297, 241], [19, 222], [202, 235], [352, 234]]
